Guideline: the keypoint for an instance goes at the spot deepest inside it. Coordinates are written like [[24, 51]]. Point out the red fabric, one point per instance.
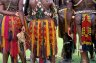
[[41, 60], [14, 48], [11, 46], [74, 35], [7, 45], [86, 24]]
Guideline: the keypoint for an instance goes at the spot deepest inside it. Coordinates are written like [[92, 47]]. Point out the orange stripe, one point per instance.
[[2, 32]]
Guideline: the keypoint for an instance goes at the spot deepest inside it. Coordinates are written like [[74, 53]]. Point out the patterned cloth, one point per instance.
[[10, 28], [43, 37], [86, 32]]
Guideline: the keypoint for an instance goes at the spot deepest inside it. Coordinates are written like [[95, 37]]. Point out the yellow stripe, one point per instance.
[[66, 25], [47, 39], [38, 39], [12, 19], [32, 36], [87, 43], [53, 37], [2, 31]]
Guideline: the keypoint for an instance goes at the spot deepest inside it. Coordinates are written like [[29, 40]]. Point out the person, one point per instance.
[[68, 40], [84, 12], [12, 22], [42, 30], [67, 48]]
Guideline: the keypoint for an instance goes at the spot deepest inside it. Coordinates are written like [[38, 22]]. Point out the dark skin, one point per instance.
[[84, 5], [4, 11], [33, 4]]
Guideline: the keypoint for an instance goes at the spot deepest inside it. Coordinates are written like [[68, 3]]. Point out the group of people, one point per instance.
[[40, 30], [39, 33], [78, 16]]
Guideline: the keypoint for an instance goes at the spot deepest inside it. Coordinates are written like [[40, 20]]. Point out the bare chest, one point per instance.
[[85, 2], [44, 3], [10, 4], [7, 1]]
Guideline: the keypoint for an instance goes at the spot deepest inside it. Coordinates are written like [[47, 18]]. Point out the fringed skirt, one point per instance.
[[11, 25], [43, 37]]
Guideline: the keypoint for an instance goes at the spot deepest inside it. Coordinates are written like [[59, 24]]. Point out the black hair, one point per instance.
[[26, 7]]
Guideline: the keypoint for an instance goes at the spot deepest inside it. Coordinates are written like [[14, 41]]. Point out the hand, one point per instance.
[[69, 30], [23, 29], [81, 48], [17, 14], [73, 17]]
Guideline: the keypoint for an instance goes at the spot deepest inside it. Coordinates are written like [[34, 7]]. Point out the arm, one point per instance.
[[2, 11], [69, 11], [55, 15], [68, 15], [21, 14], [69, 4], [26, 7]]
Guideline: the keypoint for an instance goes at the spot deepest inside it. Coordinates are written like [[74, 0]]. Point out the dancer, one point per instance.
[[12, 22], [84, 12], [42, 30]]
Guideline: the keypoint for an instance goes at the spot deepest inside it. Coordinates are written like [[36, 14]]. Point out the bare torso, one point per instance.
[[11, 5], [45, 3], [41, 8]]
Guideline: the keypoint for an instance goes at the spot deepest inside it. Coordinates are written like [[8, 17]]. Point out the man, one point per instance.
[[11, 24], [84, 11], [42, 30]]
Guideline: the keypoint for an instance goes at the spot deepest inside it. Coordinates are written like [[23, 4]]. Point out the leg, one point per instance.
[[5, 56], [22, 57], [32, 57], [84, 57], [63, 52], [22, 53], [14, 60], [52, 59], [65, 39], [91, 52], [78, 21]]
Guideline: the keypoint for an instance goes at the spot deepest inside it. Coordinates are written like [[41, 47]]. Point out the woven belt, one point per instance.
[[85, 11]]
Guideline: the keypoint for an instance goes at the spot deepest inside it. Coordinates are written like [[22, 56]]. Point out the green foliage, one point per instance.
[[39, 13]]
